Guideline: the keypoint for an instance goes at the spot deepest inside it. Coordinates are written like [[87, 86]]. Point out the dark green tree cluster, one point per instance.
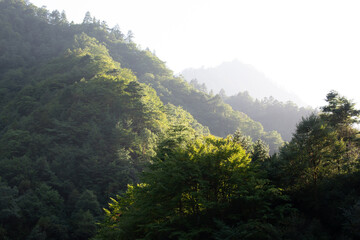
[[76, 133], [319, 169], [258, 151]]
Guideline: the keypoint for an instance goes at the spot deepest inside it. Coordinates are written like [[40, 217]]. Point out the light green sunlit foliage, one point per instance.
[[196, 191]]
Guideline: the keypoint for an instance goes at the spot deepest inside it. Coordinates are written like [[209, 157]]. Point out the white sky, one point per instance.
[[307, 47]]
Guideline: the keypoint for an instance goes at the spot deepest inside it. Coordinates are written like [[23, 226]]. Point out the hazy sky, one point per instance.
[[308, 47]]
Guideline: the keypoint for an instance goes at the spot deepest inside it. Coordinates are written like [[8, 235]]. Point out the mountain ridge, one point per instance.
[[235, 76]]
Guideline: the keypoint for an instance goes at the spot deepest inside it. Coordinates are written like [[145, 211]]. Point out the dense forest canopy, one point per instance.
[[87, 117], [211, 188]]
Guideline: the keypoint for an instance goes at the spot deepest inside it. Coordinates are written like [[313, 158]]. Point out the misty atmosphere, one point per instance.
[[234, 77], [127, 121]]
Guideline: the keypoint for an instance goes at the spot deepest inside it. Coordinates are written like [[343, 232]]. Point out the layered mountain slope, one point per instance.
[[208, 110], [271, 113]]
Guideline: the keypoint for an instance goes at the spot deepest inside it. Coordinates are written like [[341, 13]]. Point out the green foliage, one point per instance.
[[83, 224], [352, 224], [209, 110], [201, 87], [245, 141], [190, 189], [315, 144], [178, 116], [9, 210], [319, 169], [339, 111], [260, 152]]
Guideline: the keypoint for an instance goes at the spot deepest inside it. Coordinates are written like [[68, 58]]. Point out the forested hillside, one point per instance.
[[210, 110], [76, 123], [87, 117], [210, 189], [40, 30], [271, 113]]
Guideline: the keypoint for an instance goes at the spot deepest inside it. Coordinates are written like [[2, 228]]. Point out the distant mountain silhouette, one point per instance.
[[236, 77]]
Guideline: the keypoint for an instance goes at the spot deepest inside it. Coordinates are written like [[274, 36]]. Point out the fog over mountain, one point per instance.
[[236, 77]]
